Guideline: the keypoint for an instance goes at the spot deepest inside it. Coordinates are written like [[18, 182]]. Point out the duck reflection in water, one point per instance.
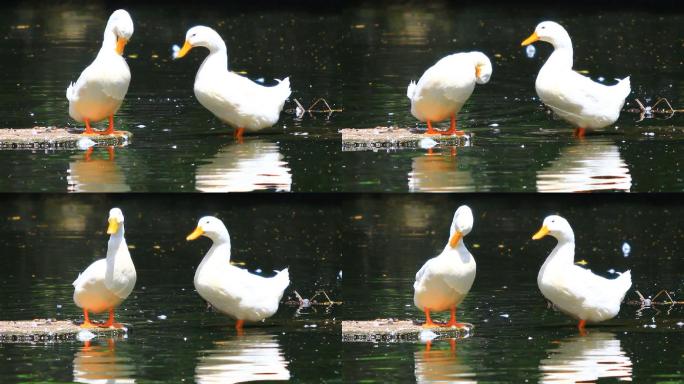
[[438, 364], [439, 171], [586, 358], [253, 165], [588, 165], [99, 363], [93, 173], [252, 357]]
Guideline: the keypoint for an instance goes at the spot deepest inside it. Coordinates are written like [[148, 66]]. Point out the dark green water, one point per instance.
[[48, 240], [517, 338], [360, 57]]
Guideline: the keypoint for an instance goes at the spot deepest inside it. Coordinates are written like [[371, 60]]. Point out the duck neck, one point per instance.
[[216, 61], [564, 252], [108, 41], [459, 251], [219, 253], [562, 53], [117, 251]]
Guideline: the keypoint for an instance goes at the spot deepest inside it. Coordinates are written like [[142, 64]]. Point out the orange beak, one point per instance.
[[184, 51], [113, 226], [455, 238], [543, 231], [478, 71], [195, 234], [120, 44], [533, 37]]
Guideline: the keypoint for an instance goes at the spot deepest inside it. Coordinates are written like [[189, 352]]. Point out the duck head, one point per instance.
[[461, 225], [210, 227], [557, 227], [483, 67], [116, 220], [201, 36], [551, 32], [121, 25]]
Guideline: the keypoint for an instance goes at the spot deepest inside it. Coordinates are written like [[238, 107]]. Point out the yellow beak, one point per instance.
[[184, 51], [195, 234], [478, 71], [113, 226], [120, 44], [455, 238], [533, 37], [543, 231]]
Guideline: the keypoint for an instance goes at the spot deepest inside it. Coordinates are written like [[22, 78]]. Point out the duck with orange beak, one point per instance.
[[232, 290], [106, 283], [234, 99], [445, 280], [100, 90], [574, 97]]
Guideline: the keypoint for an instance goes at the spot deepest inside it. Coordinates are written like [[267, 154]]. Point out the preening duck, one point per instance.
[[444, 281], [102, 86], [446, 86]]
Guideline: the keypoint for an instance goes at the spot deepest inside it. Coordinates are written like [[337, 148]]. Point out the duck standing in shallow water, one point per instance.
[[106, 283], [446, 86], [234, 99], [570, 95], [232, 290], [574, 290], [102, 86], [444, 281]]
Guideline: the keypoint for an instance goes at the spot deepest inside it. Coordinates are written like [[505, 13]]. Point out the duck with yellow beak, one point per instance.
[[574, 290], [445, 280], [234, 99], [232, 290], [106, 283], [100, 90], [570, 95]]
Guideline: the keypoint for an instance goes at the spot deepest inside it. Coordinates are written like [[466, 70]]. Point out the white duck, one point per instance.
[[574, 290], [444, 281], [572, 96], [102, 86], [446, 86], [234, 99], [107, 282], [232, 290]]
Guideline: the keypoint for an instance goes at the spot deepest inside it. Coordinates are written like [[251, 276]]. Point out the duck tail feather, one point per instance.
[[284, 88], [625, 87], [411, 89], [625, 281]]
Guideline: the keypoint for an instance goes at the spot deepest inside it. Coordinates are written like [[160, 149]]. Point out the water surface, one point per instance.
[[48, 239], [517, 337], [360, 57]]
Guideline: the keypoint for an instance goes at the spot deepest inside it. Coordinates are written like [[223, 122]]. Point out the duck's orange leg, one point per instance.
[[238, 133], [86, 320], [89, 130], [110, 128], [428, 320], [431, 131], [580, 327], [452, 128], [110, 322], [580, 132], [452, 321]]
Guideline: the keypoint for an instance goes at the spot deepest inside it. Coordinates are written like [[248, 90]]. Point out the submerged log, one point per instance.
[[47, 330], [377, 138], [392, 330], [58, 138]]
